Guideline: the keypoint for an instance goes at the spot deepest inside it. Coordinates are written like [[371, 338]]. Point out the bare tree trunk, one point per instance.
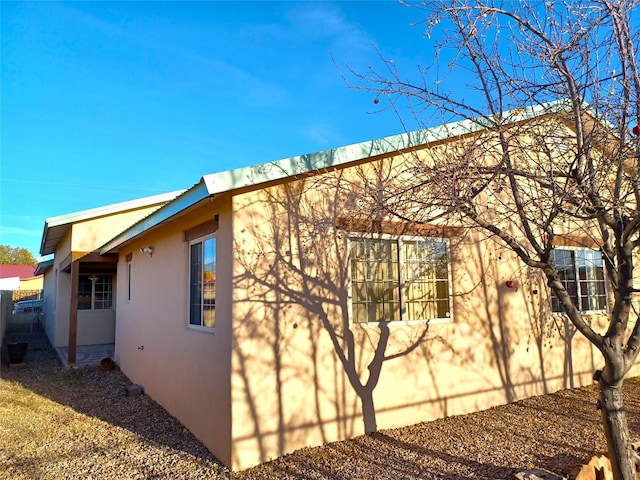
[[614, 419]]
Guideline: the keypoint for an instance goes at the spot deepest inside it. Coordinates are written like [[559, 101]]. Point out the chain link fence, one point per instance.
[[26, 312]]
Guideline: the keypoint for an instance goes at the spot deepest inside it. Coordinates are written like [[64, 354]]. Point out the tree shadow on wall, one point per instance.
[[295, 341], [304, 371], [507, 313]]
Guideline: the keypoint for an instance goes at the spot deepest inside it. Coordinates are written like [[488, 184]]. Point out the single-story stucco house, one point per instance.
[[268, 308], [79, 283]]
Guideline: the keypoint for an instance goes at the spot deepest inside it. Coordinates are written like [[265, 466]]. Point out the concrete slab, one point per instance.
[[87, 355]]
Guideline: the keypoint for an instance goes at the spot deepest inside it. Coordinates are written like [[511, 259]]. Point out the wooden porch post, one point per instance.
[[73, 312]]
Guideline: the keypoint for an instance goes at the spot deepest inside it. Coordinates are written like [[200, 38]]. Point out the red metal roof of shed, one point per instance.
[[22, 271]]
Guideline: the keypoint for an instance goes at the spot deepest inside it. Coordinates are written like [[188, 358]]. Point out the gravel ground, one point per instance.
[[58, 423]]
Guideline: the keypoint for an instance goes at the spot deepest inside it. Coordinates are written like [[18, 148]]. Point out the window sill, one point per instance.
[[199, 328], [586, 312], [402, 323]]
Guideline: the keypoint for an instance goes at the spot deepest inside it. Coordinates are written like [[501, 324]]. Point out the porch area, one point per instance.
[[87, 355]]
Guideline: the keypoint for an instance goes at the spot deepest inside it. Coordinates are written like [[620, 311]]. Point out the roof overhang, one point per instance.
[[189, 198], [42, 267], [254, 176], [86, 257], [55, 228]]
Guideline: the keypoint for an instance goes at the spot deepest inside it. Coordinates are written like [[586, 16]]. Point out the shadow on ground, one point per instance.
[[96, 393], [555, 432]]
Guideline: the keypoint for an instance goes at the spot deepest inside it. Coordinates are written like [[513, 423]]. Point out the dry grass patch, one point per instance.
[[58, 423]]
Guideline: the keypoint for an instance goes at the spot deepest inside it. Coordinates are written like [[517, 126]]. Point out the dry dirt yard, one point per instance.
[[58, 423]]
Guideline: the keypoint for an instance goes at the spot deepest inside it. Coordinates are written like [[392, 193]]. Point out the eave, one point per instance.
[[257, 175]]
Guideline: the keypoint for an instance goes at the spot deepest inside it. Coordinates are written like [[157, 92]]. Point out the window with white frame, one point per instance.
[[581, 271], [95, 292], [399, 279], [202, 282]]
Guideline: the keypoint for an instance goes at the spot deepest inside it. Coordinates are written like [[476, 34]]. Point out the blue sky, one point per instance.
[[104, 102]]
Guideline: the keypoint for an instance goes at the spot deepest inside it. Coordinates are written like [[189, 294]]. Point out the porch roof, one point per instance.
[[43, 266]]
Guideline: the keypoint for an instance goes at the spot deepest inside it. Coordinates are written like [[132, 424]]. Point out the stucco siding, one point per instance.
[[303, 374], [79, 239], [58, 328], [49, 294], [96, 326], [93, 327], [286, 365], [185, 370]]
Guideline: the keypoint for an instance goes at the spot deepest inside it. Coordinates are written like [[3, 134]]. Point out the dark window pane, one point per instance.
[[195, 288], [84, 292], [95, 292]]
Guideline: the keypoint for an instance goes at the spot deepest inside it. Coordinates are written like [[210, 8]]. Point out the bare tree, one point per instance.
[[561, 167]]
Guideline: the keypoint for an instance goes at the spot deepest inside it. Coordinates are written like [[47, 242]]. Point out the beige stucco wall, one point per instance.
[[184, 369], [295, 350], [94, 327], [285, 368], [57, 292]]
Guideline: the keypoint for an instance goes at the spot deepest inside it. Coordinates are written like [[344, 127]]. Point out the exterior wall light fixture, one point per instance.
[[147, 251]]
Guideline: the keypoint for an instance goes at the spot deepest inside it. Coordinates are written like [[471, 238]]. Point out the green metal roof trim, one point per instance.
[[253, 176], [43, 267], [55, 227], [288, 167], [189, 198]]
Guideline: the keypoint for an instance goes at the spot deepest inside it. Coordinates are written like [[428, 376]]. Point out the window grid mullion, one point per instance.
[[427, 305], [576, 274], [401, 279]]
